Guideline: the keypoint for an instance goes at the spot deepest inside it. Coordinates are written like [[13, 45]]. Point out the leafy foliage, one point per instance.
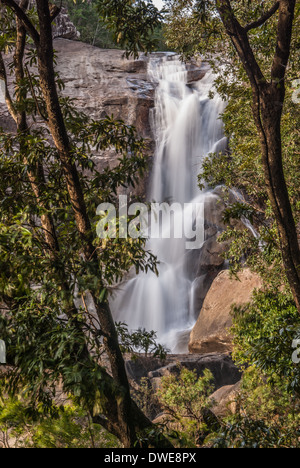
[[133, 23], [146, 398], [92, 30], [184, 397], [69, 427], [267, 416], [140, 341], [97, 32], [244, 432], [264, 334]]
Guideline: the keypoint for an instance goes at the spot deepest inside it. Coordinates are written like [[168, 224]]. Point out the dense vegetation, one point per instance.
[[94, 31], [48, 219], [91, 28]]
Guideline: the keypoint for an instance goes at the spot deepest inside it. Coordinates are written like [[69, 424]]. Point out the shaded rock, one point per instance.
[[140, 367], [195, 74], [221, 366], [196, 70], [211, 255], [7, 123], [225, 400], [211, 333]]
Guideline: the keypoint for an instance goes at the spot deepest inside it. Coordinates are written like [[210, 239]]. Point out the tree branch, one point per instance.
[[241, 43], [284, 37], [39, 110], [263, 19], [104, 422], [24, 18], [54, 12]]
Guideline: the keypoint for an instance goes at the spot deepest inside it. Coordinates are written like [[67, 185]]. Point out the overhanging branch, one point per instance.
[[241, 43], [24, 18], [264, 18]]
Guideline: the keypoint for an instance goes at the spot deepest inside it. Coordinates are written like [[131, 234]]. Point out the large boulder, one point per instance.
[[221, 366], [225, 400], [211, 332]]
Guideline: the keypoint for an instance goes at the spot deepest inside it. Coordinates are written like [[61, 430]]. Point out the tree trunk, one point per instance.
[[271, 144]]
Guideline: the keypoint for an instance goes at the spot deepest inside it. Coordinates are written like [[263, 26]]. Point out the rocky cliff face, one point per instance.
[[103, 83]]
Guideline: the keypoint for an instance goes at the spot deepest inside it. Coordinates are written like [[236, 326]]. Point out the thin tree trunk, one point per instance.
[[62, 143], [35, 171]]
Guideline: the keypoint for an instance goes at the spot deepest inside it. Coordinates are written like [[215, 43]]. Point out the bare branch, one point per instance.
[[39, 110], [264, 18]]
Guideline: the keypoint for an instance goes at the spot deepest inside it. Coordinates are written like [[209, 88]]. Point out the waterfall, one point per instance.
[[187, 127]]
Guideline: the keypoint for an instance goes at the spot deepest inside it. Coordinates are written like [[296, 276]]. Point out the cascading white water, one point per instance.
[[187, 127]]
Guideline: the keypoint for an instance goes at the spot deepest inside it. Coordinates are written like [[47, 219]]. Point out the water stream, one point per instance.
[[187, 127]]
